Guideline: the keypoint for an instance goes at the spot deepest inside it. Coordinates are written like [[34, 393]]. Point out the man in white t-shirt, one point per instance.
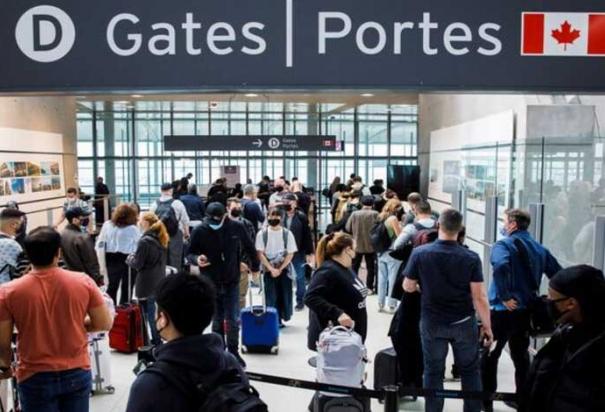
[[276, 246]]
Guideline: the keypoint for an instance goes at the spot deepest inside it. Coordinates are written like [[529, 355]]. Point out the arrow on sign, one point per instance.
[[258, 143]]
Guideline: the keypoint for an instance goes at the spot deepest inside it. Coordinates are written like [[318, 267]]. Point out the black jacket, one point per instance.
[[199, 356], [301, 231], [335, 290], [223, 249], [567, 374], [79, 253], [150, 263]]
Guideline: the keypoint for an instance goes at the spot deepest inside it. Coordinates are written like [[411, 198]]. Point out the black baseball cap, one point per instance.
[[289, 196], [10, 213], [75, 212], [215, 211], [166, 186]]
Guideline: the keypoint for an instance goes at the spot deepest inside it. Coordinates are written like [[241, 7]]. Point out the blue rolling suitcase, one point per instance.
[[260, 327]]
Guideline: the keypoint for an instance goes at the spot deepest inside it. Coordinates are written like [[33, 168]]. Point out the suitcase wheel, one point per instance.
[[274, 350], [110, 390], [244, 349]]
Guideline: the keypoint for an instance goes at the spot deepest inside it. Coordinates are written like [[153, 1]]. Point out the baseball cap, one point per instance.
[[215, 211], [75, 212], [289, 196], [367, 200], [9, 213], [166, 186]]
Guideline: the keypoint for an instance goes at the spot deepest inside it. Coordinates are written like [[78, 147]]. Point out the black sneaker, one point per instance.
[[299, 307]]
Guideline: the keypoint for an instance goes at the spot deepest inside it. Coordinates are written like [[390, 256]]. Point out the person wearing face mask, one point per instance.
[[567, 373], [149, 260], [276, 246], [215, 249], [518, 263], [185, 308], [336, 295], [280, 189], [234, 209], [297, 222]]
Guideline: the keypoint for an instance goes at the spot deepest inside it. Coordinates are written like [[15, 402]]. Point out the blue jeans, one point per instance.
[[148, 306], [464, 338], [227, 314], [65, 391], [387, 274], [298, 261]]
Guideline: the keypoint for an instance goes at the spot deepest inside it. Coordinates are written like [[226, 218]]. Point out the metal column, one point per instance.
[[459, 201], [536, 228], [598, 253], [490, 231]]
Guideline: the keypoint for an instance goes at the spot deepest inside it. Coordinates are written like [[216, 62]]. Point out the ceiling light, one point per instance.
[[367, 95], [121, 102], [251, 95], [136, 96]]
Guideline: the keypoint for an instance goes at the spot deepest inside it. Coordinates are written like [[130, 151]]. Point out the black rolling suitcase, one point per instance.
[[386, 369], [325, 403]]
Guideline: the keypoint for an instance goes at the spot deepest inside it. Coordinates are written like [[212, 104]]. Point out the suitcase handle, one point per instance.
[[262, 289]]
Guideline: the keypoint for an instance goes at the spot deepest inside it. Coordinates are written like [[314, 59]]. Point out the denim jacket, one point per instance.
[[511, 277]]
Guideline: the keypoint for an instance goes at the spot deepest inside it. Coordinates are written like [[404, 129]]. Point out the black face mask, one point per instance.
[[553, 311], [236, 212], [279, 189], [287, 208], [274, 222]]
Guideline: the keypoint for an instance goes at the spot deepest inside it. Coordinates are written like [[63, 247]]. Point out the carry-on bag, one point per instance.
[[341, 357], [260, 326], [126, 335], [100, 359], [325, 403], [386, 369]]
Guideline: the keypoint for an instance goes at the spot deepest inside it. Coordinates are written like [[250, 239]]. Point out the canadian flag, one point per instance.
[[563, 34]]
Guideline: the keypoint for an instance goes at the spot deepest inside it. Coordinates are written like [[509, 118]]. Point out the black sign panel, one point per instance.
[[189, 45], [251, 142]]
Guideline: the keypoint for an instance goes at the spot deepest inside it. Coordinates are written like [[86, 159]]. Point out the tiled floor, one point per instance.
[[292, 362]]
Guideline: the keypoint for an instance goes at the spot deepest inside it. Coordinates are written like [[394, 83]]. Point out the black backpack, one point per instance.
[[379, 237], [165, 212], [227, 393]]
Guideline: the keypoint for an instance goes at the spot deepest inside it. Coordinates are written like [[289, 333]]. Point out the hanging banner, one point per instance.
[[416, 45]]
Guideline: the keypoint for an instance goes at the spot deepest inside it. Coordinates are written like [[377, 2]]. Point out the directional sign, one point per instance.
[[252, 142]]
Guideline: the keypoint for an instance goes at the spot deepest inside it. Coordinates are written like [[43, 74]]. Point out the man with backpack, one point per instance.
[[251, 207], [173, 214], [359, 225], [518, 262], [192, 371], [215, 248], [421, 231]]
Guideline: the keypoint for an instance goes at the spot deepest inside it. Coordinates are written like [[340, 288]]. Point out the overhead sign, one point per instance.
[[251, 142], [280, 44]]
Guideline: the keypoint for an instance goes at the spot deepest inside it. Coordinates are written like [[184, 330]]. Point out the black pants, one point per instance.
[[117, 272], [512, 328], [370, 265]]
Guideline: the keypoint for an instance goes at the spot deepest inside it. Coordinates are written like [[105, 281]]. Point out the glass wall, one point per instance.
[[124, 143]]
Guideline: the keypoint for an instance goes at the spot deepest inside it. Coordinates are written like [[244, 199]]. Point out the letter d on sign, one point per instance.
[[45, 34]]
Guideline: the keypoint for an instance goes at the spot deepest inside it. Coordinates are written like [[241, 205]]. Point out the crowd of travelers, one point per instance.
[[190, 261]]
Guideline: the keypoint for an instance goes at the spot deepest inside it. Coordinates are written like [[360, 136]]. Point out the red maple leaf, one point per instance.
[[565, 35]]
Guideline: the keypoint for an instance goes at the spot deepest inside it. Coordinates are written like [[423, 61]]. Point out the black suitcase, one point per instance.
[[325, 403], [386, 369]]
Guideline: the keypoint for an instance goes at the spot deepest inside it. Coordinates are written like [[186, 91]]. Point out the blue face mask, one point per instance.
[[216, 226]]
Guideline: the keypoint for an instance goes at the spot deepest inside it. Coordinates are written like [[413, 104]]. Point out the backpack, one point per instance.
[[341, 357], [424, 235], [227, 393], [284, 233], [379, 237], [326, 192], [165, 212]]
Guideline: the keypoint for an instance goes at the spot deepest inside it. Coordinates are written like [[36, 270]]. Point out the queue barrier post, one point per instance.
[[391, 398]]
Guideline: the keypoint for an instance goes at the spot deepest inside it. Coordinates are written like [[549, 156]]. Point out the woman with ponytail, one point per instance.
[[336, 294], [149, 261]]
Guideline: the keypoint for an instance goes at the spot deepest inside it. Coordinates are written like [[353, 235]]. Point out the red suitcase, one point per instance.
[[126, 334]]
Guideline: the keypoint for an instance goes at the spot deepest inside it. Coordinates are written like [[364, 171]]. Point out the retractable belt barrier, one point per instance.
[[387, 393]]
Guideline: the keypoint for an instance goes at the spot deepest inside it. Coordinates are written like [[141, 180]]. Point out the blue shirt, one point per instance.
[[194, 205], [115, 239], [512, 278], [445, 271]]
